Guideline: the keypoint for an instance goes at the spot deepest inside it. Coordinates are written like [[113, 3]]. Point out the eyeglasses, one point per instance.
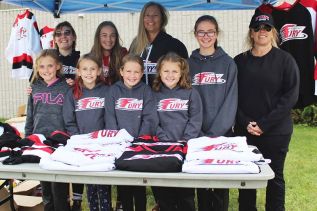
[[209, 34], [65, 33], [260, 27]]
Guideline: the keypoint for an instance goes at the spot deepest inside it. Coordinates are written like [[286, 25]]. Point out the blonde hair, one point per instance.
[[46, 53], [132, 58], [141, 40], [184, 81], [250, 41]]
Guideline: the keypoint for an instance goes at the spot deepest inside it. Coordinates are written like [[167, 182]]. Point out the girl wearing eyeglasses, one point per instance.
[[214, 76], [268, 80]]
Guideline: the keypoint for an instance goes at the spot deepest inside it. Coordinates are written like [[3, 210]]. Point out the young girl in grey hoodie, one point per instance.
[[214, 76], [130, 105], [44, 110], [179, 110]]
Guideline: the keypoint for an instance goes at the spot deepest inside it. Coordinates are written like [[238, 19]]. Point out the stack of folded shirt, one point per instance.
[[95, 151], [220, 155], [148, 154]]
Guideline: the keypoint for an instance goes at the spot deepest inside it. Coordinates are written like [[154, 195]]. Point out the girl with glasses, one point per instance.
[[214, 76]]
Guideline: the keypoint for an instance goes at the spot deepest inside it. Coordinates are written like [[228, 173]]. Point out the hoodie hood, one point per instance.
[[218, 53], [123, 86]]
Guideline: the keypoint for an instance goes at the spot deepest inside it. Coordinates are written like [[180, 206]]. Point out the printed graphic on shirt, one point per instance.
[[147, 157], [222, 146], [92, 154], [105, 69], [207, 78], [21, 33], [129, 104], [69, 70], [219, 162], [90, 103], [150, 68], [172, 104], [47, 98], [292, 32], [103, 133]]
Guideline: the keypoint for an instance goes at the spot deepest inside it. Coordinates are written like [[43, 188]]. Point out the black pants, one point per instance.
[[175, 199], [213, 199], [274, 148], [132, 195], [55, 196]]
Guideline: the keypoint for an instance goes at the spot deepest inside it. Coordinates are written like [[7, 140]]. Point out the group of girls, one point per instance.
[[107, 81], [108, 93]]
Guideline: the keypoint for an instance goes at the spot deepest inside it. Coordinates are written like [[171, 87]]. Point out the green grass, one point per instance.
[[300, 175], [2, 119]]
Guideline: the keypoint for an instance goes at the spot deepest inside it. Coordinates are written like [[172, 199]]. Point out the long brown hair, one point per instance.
[[141, 40], [116, 54], [79, 84], [47, 53], [184, 81]]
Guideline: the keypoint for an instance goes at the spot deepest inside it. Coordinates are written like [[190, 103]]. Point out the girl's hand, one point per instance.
[[70, 81], [29, 90], [254, 129]]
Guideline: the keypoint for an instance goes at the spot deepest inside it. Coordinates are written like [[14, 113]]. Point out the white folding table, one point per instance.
[[34, 172]]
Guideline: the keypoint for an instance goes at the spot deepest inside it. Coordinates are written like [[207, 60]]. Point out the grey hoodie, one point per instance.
[[215, 78], [132, 109], [85, 114], [180, 113], [44, 110]]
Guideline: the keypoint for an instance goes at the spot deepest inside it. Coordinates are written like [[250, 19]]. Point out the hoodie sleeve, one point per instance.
[[69, 114], [29, 123], [287, 100], [225, 117], [110, 112], [149, 114], [193, 126]]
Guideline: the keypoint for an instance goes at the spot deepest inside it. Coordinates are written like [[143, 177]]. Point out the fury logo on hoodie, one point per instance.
[[89, 103], [207, 78], [172, 104], [129, 104]]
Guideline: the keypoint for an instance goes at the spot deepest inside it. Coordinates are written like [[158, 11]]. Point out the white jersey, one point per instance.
[[24, 45], [47, 40]]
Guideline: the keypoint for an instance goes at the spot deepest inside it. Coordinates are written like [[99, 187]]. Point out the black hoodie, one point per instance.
[[161, 45]]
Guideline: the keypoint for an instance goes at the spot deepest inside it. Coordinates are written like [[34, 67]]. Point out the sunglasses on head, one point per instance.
[[260, 27], [65, 33]]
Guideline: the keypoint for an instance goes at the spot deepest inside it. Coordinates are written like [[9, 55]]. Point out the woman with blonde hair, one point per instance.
[[152, 41], [268, 81]]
